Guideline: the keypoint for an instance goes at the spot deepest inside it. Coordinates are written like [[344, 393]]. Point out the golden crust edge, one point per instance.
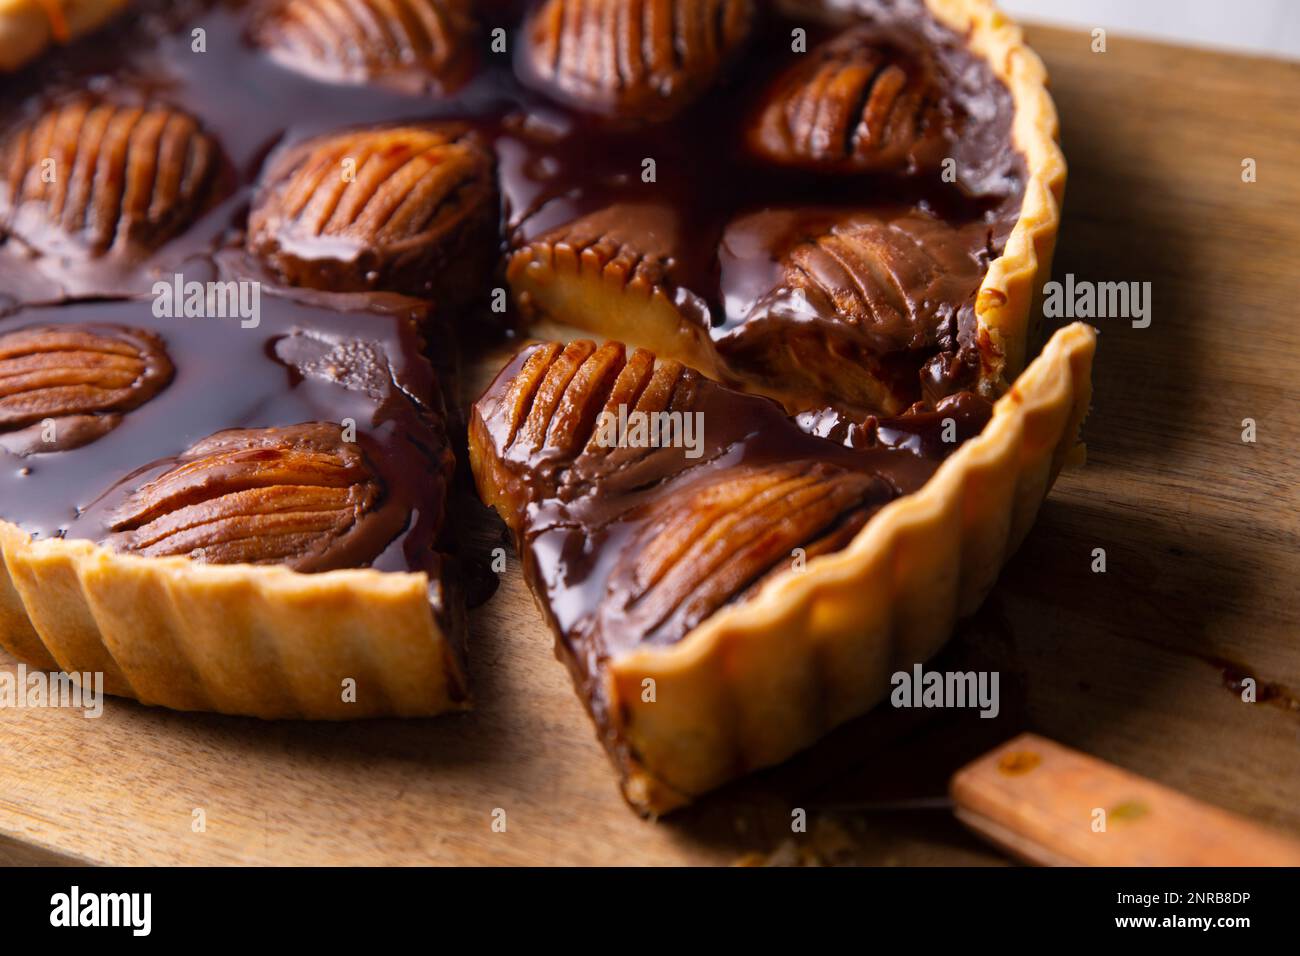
[[27, 29], [1008, 296], [236, 639], [887, 601]]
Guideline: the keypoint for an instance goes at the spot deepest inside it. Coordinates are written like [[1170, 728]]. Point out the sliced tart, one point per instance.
[[725, 586]]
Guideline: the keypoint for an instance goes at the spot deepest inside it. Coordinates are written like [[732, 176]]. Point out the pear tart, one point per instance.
[[807, 235], [277, 548]]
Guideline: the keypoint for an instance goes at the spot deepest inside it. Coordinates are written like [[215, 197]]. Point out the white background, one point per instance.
[[1270, 27]]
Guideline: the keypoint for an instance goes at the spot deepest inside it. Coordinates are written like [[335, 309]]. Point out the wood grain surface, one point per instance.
[[1140, 665]]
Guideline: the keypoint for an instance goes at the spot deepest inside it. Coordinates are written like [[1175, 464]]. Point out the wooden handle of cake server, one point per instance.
[[1047, 804]]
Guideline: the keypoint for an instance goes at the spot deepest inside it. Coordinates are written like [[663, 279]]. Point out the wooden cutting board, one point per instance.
[[1139, 665]]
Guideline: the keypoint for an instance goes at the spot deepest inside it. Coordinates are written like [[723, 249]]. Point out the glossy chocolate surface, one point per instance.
[[320, 360], [554, 163], [628, 544], [739, 219]]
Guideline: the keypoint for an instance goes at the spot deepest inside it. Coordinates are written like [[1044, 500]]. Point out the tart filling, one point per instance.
[[306, 375], [631, 534], [818, 237]]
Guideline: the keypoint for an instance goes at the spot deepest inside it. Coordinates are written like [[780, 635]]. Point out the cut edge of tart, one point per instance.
[[237, 639], [245, 572], [1007, 303]]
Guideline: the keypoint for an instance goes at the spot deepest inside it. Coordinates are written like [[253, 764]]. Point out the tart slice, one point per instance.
[[234, 517], [726, 587]]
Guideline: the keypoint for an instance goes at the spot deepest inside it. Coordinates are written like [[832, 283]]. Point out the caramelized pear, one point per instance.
[[405, 208], [63, 386], [300, 496], [633, 60], [89, 178], [855, 303], [855, 104], [408, 43], [609, 273]]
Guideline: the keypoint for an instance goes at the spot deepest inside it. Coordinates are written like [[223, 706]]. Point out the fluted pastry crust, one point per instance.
[[1008, 302], [236, 639]]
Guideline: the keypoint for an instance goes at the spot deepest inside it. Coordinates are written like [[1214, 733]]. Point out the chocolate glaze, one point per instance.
[[305, 362], [584, 515], [554, 164], [627, 547]]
